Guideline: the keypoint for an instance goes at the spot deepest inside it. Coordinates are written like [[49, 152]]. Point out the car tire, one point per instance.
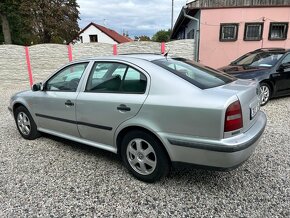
[[266, 93], [25, 123], [144, 156]]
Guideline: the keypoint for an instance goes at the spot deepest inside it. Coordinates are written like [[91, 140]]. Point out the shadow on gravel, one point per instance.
[[187, 175], [85, 149]]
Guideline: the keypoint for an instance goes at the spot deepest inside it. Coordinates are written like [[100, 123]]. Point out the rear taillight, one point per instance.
[[234, 117]]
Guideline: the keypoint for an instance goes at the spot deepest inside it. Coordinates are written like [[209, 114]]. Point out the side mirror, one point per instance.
[[36, 87], [284, 66]]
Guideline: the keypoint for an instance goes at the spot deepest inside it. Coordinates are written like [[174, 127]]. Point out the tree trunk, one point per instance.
[[46, 37], [6, 29]]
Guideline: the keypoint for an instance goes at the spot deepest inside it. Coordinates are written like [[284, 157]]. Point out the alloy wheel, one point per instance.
[[141, 156], [265, 94], [23, 123]]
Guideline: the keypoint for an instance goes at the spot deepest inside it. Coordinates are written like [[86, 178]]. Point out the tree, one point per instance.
[[52, 21], [162, 36], [142, 38], [7, 8], [38, 21]]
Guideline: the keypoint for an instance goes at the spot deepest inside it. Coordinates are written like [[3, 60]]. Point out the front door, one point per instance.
[[55, 106], [282, 79], [114, 93]]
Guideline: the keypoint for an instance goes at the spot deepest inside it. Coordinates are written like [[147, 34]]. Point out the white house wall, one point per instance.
[[102, 37]]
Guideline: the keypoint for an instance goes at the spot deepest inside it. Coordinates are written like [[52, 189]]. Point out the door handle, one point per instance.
[[123, 107], [276, 75], [69, 103]]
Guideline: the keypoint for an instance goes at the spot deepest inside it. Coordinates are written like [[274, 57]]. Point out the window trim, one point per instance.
[[61, 69], [236, 32], [94, 35], [120, 91], [270, 30], [261, 34]]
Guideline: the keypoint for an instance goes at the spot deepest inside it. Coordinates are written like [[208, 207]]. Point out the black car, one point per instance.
[[269, 66]]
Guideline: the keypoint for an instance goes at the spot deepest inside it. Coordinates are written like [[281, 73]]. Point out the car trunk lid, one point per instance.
[[248, 94]]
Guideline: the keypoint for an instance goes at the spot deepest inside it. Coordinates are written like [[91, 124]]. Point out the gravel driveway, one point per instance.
[[51, 177]]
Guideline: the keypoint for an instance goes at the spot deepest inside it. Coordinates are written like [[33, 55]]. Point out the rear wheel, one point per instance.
[[144, 156], [265, 93], [25, 123]]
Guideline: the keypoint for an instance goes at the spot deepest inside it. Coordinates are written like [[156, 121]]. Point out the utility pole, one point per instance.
[[172, 10]]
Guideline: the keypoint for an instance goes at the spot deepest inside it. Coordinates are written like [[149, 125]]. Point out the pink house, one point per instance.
[[225, 30]]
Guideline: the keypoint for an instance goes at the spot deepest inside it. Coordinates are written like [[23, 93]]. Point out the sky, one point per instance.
[[137, 17]]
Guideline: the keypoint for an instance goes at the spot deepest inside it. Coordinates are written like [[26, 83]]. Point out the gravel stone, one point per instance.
[[52, 177]]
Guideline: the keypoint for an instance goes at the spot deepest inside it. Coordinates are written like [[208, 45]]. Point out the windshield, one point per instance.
[[199, 75], [262, 59]]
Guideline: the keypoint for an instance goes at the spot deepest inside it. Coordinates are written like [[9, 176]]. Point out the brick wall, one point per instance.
[[47, 58]]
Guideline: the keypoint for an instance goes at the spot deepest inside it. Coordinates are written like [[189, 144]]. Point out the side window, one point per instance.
[[286, 59], [134, 82], [115, 77], [67, 80], [106, 77]]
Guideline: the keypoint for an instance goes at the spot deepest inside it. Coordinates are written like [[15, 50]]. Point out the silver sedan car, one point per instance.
[[153, 111]]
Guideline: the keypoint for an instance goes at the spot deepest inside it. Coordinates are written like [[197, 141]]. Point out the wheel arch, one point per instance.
[[17, 105], [127, 129], [270, 83]]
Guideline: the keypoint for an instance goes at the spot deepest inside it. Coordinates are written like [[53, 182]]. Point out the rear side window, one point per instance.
[[200, 76], [116, 78]]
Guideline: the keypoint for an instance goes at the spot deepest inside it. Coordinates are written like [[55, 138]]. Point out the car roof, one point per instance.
[[127, 57], [282, 50]]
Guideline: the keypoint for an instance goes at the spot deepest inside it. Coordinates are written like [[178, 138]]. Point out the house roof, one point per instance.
[[237, 3], [181, 21], [194, 6], [111, 33]]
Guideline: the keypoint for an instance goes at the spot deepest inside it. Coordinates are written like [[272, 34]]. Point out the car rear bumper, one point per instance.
[[224, 153]]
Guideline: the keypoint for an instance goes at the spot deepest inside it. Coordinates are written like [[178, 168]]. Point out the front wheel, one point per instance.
[[265, 93], [144, 156], [25, 123]]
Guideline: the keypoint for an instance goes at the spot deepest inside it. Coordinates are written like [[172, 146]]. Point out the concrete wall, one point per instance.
[[47, 58]]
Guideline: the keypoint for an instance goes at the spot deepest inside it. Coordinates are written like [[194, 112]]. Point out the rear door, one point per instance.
[[114, 93]]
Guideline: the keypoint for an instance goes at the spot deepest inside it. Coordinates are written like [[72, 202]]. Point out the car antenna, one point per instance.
[[166, 54]]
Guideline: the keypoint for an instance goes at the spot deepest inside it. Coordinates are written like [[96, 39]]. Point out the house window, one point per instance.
[[81, 39], [253, 31], [93, 38], [278, 31], [190, 34], [229, 32]]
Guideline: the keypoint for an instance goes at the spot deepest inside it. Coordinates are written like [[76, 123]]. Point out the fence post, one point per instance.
[[115, 52], [28, 65], [69, 48], [162, 47]]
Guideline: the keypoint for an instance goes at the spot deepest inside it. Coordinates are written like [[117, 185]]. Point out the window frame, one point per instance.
[[94, 35], [286, 31], [120, 91], [222, 25], [261, 33], [62, 69]]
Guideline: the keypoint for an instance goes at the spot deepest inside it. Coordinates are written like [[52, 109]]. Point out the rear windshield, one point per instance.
[[199, 75]]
